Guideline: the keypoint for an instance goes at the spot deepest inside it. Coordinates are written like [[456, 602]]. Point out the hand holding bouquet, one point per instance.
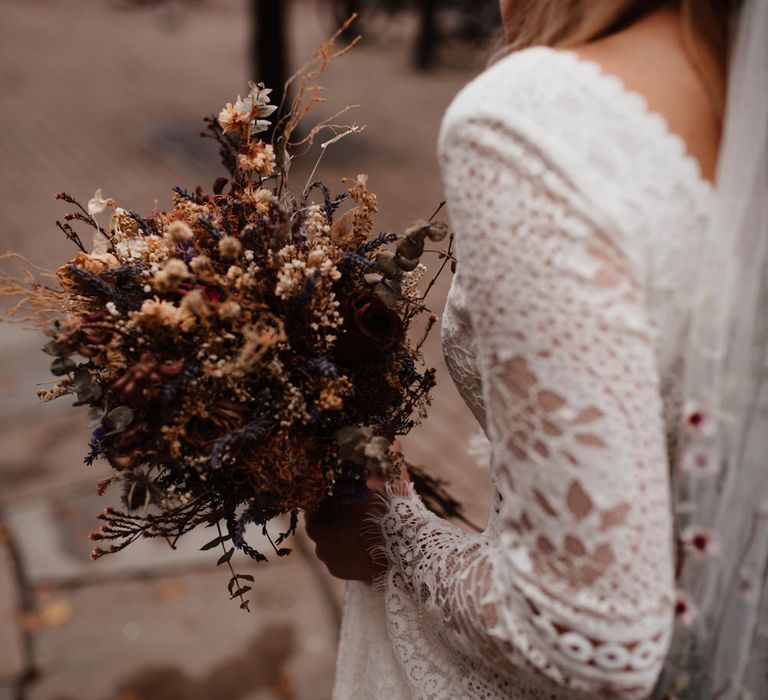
[[244, 354]]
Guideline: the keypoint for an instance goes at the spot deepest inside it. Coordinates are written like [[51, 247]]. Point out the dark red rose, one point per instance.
[[370, 329]]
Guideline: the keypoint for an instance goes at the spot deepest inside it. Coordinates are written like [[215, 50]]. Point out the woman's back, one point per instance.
[[680, 81]]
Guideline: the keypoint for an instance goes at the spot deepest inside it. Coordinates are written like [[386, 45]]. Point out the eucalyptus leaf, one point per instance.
[[120, 418], [63, 365], [54, 348], [87, 390], [385, 294], [95, 416], [352, 441]]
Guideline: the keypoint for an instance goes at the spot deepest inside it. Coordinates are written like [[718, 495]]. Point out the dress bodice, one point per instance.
[[666, 205]]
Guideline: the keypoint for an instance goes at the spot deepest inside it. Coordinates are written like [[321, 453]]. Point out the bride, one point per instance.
[[606, 180]]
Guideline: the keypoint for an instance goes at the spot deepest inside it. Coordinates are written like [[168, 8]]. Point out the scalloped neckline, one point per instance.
[[638, 103]]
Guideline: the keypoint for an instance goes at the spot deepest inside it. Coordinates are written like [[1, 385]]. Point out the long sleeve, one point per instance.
[[573, 587]]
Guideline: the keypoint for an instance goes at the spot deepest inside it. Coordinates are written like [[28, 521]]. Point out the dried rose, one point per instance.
[[144, 378], [370, 328]]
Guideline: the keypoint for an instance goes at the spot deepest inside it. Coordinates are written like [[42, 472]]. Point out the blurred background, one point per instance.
[[111, 94]]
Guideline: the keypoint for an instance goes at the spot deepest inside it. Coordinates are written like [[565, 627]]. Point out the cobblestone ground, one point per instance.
[[95, 94]]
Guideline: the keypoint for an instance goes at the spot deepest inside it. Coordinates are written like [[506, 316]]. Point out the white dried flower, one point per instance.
[[230, 247], [112, 309], [171, 276], [194, 302], [179, 232], [199, 263], [229, 310]]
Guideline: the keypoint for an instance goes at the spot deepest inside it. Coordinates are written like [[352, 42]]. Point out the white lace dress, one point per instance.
[[576, 215]]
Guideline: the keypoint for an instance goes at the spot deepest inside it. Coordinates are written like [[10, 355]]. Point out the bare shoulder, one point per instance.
[[652, 59]]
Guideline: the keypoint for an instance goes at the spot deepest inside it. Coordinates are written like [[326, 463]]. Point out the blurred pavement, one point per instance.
[[93, 94]]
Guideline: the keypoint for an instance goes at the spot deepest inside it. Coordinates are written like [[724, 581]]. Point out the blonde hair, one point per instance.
[[571, 23]]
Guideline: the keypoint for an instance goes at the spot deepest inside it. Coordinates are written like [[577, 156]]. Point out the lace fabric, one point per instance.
[[575, 211]]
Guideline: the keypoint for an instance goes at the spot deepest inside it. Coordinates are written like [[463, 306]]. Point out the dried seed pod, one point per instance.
[[407, 264], [418, 231], [385, 261], [410, 248], [437, 231]]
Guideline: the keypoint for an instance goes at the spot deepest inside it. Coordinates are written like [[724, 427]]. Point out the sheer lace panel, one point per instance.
[[573, 586]]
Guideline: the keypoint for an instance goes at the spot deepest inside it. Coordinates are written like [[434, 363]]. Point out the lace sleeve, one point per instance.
[[574, 586]]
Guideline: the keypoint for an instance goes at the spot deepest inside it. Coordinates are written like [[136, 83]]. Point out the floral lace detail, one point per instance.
[[563, 332]]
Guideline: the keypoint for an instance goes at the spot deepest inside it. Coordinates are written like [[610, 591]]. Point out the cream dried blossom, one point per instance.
[[234, 117], [163, 313], [179, 232], [316, 222], [230, 247], [247, 116], [170, 276], [61, 388], [200, 263], [259, 159], [258, 102], [319, 264], [290, 278], [260, 198], [146, 248], [324, 257], [411, 281], [194, 303], [234, 273], [229, 310]]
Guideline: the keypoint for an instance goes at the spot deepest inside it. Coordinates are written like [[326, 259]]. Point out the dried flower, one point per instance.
[[370, 329], [194, 303], [229, 247], [229, 310], [259, 158], [211, 342], [246, 116], [179, 232], [234, 117], [171, 276], [163, 313]]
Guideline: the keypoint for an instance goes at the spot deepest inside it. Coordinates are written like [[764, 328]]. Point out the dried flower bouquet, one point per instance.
[[245, 354]]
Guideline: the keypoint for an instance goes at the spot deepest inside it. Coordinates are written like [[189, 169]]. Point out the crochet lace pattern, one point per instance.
[[575, 211]]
